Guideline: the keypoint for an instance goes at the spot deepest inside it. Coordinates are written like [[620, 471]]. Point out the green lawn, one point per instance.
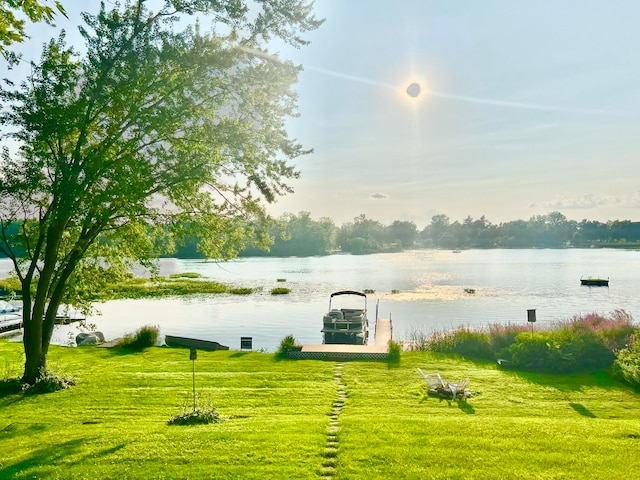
[[113, 423]]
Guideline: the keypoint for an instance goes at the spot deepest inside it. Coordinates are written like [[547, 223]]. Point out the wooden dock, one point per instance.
[[378, 351]]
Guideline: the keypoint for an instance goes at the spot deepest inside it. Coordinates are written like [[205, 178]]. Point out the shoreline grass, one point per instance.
[[113, 423], [138, 287]]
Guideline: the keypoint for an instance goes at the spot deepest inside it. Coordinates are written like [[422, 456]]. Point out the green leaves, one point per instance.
[[12, 29], [153, 129]]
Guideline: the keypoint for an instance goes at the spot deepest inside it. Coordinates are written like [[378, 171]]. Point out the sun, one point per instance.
[[413, 90]]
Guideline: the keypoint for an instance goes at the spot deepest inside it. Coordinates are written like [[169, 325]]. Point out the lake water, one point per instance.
[[430, 293]]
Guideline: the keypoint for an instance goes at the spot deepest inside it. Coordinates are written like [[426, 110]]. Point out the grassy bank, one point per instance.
[[113, 423]]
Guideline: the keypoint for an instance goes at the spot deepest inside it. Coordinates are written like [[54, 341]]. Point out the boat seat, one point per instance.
[[336, 315]]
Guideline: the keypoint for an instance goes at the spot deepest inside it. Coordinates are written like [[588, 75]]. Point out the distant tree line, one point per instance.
[[300, 235], [540, 231]]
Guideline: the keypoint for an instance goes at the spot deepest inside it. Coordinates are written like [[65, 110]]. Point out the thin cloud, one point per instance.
[[462, 98], [584, 202]]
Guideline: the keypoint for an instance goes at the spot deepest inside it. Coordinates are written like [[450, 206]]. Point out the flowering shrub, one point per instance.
[[582, 343], [614, 331]]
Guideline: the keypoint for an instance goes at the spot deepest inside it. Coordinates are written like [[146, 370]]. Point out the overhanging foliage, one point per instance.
[[150, 130]]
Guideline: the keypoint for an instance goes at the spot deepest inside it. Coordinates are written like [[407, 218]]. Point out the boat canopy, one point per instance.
[[348, 292]]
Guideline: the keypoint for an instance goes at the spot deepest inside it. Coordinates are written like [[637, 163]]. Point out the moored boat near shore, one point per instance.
[[346, 325], [10, 322], [185, 342], [594, 282]]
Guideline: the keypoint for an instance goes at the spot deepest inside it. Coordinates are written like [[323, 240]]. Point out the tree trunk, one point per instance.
[[36, 363], [36, 358]]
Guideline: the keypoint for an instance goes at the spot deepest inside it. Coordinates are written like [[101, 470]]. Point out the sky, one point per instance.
[[524, 108]]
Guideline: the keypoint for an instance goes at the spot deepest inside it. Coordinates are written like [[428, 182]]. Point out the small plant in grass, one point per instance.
[[203, 415], [394, 352], [199, 416], [287, 344], [48, 382], [280, 291], [144, 337]]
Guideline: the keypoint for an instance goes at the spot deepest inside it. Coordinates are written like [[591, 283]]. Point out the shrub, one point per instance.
[[198, 416], [48, 382], [502, 336], [614, 331], [144, 337], [559, 351], [463, 341], [627, 364], [287, 344], [280, 291], [395, 349], [582, 343]]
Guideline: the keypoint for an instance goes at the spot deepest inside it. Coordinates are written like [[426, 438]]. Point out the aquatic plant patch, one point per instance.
[[280, 291]]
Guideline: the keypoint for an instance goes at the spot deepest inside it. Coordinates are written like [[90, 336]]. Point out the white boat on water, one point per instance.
[[10, 322], [346, 325], [9, 307], [10, 316]]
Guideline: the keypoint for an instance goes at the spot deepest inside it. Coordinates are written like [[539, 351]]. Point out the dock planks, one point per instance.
[[379, 350]]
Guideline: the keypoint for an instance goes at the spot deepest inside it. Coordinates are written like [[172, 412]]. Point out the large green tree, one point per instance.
[[158, 124]]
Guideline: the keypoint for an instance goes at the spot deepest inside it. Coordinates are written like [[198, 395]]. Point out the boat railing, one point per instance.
[[344, 324]]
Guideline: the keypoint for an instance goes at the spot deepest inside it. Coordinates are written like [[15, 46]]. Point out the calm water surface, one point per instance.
[[430, 285]]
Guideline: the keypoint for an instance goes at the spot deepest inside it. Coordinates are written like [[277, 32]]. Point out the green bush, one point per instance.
[[463, 341], [144, 337], [614, 331], [558, 351], [582, 343], [627, 364], [203, 416], [503, 336], [287, 344], [395, 349], [48, 382]]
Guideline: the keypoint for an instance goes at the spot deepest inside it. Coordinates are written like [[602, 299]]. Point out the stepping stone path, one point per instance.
[[331, 449]]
